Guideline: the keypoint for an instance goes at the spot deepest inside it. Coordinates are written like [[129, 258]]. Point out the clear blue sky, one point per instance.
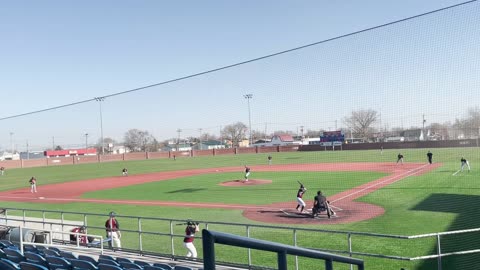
[[58, 52]]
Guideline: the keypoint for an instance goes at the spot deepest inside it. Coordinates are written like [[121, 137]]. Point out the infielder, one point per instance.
[[301, 191], [125, 172], [400, 158], [33, 184], [464, 163]]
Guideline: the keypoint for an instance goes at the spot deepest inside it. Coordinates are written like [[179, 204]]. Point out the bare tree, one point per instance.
[[138, 140], [361, 122], [234, 132]]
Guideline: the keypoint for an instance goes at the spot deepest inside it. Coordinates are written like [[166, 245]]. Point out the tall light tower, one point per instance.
[[11, 142], [248, 97], [86, 141], [100, 100], [178, 138]]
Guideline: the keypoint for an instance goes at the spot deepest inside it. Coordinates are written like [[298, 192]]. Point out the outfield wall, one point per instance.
[[231, 151]]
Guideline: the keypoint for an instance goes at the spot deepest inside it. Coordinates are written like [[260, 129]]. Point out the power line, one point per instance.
[[247, 61]]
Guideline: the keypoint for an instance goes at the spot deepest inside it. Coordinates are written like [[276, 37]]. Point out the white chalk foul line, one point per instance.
[[400, 177], [456, 173]]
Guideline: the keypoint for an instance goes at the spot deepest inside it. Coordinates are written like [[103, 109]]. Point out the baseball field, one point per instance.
[[369, 191]]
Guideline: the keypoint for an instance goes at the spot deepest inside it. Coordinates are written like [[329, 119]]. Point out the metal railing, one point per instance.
[[212, 237], [141, 231]]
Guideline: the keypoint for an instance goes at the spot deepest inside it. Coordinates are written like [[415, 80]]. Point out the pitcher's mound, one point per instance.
[[241, 183]]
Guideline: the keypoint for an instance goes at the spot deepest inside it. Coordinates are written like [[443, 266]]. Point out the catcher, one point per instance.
[[320, 204]]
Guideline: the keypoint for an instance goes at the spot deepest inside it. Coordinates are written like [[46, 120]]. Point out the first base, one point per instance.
[[41, 198]]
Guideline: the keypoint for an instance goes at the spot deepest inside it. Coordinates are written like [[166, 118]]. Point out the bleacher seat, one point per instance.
[[32, 266], [130, 266], [6, 264], [2, 254], [108, 257], [180, 267], [88, 259], [122, 259], [58, 263], [141, 263], [30, 248], [7, 243], [151, 267], [107, 261], [102, 266], [164, 266], [14, 255], [51, 252], [67, 255], [35, 258], [83, 265]]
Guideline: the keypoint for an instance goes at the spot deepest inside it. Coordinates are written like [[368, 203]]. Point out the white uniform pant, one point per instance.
[[465, 164], [192, 251], [301, 202], [247, 175], [33, 188], [114, 239]]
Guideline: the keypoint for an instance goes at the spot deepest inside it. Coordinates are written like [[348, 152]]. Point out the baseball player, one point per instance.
[[400, 158], [190, 230], [430, 157], [464, 163], [301, 204], [125, 172], [269, 158], [33, 184], [247, 173], [2, 170]]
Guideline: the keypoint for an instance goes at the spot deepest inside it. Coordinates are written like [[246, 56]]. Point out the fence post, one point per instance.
[[208, 244], [171, 239], [249, 252], [439, 253], [295, 244], [140, 234], [328, 265], [282, 260], [350, 248]]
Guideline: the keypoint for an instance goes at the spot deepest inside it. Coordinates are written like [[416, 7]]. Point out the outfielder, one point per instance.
[[301, 191], [125, 172], [464, 163]]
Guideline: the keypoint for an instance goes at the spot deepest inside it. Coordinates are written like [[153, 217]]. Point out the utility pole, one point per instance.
[[28, 152], [86, 141], [53, 142], [248, 97], [11, 143]]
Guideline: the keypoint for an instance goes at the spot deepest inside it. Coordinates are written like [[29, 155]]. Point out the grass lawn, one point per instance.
[[433, 202]]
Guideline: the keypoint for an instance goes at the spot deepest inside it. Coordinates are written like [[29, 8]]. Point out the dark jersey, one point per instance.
[[400, 156], [463, 160], [300, 193], [112, 225], [320, 200], [247, 170], [429, 155]]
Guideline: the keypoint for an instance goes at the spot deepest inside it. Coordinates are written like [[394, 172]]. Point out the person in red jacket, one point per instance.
[[82, 239], [113, 231]]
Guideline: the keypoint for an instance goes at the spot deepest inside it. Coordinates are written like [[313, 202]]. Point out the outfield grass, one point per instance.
[[433, 202]]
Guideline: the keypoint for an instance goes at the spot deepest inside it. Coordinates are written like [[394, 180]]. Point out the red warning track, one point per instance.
[[274, 213]]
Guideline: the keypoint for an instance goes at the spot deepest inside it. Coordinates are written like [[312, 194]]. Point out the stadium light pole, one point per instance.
[[11, 143], [248, 97], [178, 139], [86, 141], [100, 100]]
